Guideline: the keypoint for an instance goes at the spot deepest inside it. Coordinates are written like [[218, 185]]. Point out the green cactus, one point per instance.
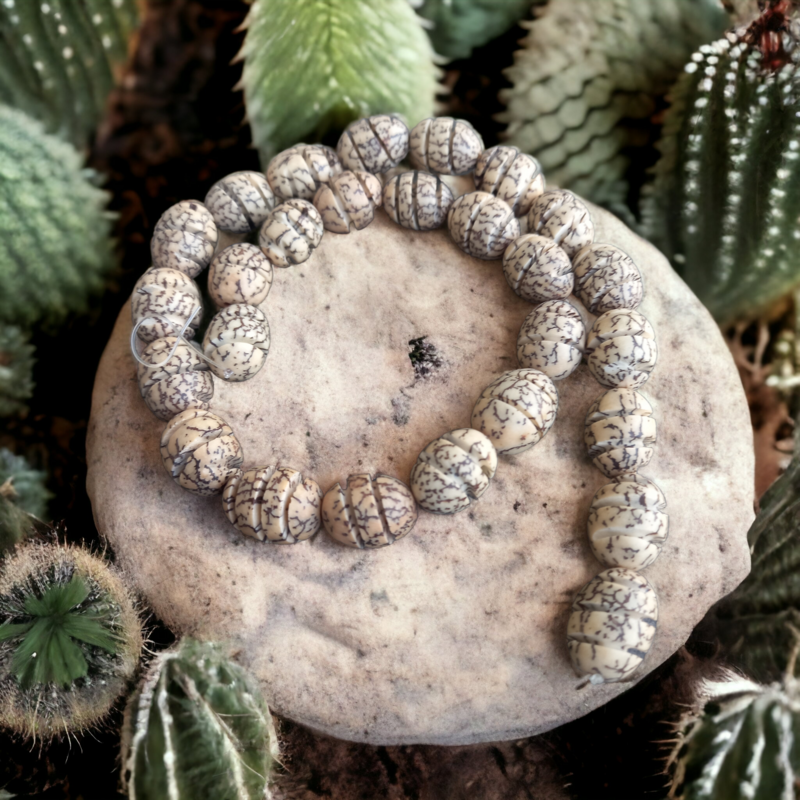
[[70, 640], [55, 246], [197, 727], [57, 59], [15, 524], [16, 368], [23, 484], [311, 68]]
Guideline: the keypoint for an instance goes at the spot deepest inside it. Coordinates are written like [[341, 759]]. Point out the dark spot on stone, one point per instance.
[[544, 505], [401, 413], [308, 433], [424, 357], [247, 415], [517, 505]]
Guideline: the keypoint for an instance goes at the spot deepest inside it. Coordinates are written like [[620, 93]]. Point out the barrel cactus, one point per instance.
[[23, 484], [16, 367], [197, 727]]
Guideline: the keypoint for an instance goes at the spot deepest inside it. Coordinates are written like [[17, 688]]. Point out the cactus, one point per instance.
[[16, 367], [23, 484], [15, 524], [197, 727], [54, 230], [311, 68], [70, 640]]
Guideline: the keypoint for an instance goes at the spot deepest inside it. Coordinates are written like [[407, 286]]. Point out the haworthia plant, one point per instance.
[[311, 67], [24, 485], [16, 367], [55, 246]]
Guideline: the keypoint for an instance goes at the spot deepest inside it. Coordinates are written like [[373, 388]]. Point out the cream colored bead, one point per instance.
[[349, 202], [373, 144], [516, 410], [620, 432], [453, 470], [240, 273], [163, 300], [183, 382], [537, 269], [627, 523], [445, 145], [560, 216], [200, 451], [552, 339], [184, 238], [482, 225], [237, 342], [368, 512], [301, 170], [417, 200], [621, 349], [275, 504], [291, 233], [511, 175], [612, 625], [606, 279], [240, 201]]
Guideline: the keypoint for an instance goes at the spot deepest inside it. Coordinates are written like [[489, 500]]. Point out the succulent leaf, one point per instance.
[[24, 485], [16, 367]]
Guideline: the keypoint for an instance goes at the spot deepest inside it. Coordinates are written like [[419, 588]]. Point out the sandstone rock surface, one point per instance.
[[456, 634]]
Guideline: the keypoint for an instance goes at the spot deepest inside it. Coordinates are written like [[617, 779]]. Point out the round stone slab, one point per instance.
[[457, 633]]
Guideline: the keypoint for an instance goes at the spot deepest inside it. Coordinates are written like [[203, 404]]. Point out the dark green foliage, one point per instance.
[[25, 486], [15, 524], [16, 368]]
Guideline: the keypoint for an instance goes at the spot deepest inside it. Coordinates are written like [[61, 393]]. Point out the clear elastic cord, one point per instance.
[[178, 340]]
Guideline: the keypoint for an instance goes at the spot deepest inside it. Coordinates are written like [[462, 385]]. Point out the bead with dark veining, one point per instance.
[[560, 216], [482, 225], [349, 202], [163, 300], [511, 175], [240, 201], [237, 342], [444, 145], [537, 269], [417, 200], [184, 238], [291, 233], [621, 348], [240, 273], [374, 144], [552, 339], [606, 278], [301, 170]]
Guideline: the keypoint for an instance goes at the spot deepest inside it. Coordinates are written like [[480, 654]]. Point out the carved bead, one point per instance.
[[516, 410], [612, 625], [368, 512], [445, 145], [620, 432], [240, 201], [237, 342], [240, 273], [563, 218], [482, 225], [183, 382], [301, 170], [621, 349], [275, 504], [349, 202], [373, 144], [551, 339], [606, 279], [291, 233], [200, 451], [184, 238], [513, 176], [417, 200], [163, 300], [453, 470], [537, 269], [627, 523]]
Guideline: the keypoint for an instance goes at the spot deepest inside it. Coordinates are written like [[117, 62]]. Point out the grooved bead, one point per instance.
[[537, 269], [551, 339], [444, 145], [240, 273], [240, 202], [607, 279], [516, 410], [620, 432], [373, 144], [612, 625], [237, 342], [482, 225], [453, 470], [200, 451], [511, 175], [184, 238], [349, 202], [163, 299], [183, 382], [417, 200], [627, 524], [621, 349], [368, 512], [291, 233], [275, 504], [301, 170], [560, 216]]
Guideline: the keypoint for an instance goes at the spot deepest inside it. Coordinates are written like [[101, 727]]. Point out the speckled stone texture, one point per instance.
[[457, 633]]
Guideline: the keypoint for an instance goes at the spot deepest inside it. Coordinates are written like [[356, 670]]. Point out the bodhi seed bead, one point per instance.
[[621, 349], [482, 225], [301, 170], [551, 339], [240, 273], [373, 144], [537, 269], [163, 300], [560, 216], [417, 200], [444, 145], [184, 238], [237, 342], [240, 201], [291, 233], [606, 279], [511, 175], [349, 202]]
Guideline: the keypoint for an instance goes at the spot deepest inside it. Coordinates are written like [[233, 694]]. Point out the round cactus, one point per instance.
[[23, 484], [16, 366]]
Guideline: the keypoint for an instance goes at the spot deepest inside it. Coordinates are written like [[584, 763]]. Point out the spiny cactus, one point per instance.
[[54, 230], [311, 68], [16, 367], [70, 640], [15, 524], [197, 728], [23, 484]]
